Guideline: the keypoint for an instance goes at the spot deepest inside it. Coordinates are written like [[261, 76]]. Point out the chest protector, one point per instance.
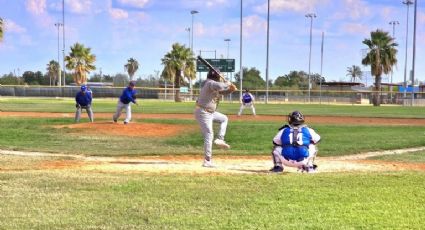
[[295, 142], [246, 98]]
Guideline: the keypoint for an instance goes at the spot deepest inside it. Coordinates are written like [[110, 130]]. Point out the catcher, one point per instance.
[[206, 114], [295, 145], [83, 100]]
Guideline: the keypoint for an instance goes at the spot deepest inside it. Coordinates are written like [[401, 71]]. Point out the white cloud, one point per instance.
[[79, 6], [12, 27], [141, 16], [290, 5], [356, 28], [211, 3], [36, 7], [118, 13], [254, 24], [356, 9], [134, 3]]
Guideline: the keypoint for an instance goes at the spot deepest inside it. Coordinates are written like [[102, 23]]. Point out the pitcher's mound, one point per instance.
[[131, 129]]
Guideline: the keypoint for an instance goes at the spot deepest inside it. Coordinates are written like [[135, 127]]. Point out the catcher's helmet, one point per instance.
[[296, 118]]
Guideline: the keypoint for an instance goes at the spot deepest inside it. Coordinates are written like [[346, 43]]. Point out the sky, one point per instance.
[[117, 30]]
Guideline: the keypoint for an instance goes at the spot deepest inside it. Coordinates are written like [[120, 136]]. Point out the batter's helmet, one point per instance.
[[214, 75], [83, 88], [296, 118]]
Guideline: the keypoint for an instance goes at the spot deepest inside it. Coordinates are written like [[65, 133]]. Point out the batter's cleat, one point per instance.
[[277, 169], [221, 143], [208, 164], [125, 122], [115, 121]]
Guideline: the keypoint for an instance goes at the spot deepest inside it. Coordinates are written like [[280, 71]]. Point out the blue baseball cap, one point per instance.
[[83, 88]]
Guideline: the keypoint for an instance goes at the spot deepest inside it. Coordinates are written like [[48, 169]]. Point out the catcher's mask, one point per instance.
[[214, 75], [296, 118]]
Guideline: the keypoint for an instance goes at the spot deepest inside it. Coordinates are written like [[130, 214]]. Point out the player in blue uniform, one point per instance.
[[83, 100], [127, 97], [247, 101], [295, 145]]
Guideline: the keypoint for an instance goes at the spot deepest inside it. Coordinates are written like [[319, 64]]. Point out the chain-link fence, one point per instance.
[[261, 96]]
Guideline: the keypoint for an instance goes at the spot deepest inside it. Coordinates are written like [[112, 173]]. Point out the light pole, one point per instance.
[[311, 16], [193, 12], [240, 57], [59, 69], [407, 3], [228, 45], [321, 66], [414, 51], [267, 53], [63, 43], [393, 23]]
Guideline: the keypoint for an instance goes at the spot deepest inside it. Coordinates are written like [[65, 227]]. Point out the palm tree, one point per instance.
[[179, 63], [354, 72], [1, 29], [53, 69], [382, 56], [131, 67], [81, 61]]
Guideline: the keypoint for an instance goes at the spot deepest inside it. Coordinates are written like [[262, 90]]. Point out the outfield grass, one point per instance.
[[157, 106], [74, 200]]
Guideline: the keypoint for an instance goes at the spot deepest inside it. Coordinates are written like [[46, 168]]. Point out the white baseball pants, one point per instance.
[[120, 107], [247, 105], [205, 120]]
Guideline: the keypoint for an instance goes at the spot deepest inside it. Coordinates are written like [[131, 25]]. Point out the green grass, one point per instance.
[[36, 198], [75, 200], [245, 137], [157, 106], [415, 157]]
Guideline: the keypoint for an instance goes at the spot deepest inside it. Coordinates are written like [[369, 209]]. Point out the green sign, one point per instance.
[[224, 65]]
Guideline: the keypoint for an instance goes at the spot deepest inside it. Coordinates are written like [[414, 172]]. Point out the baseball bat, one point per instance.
[[211, 67]]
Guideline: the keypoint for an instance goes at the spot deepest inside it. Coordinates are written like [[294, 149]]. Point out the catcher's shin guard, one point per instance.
[[276, 156]]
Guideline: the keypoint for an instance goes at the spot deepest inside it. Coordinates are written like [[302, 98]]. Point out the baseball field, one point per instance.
[[55, 174]]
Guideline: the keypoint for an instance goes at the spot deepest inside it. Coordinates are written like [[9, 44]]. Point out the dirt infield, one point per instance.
[[310, 119], [224, 164], [131, 129]]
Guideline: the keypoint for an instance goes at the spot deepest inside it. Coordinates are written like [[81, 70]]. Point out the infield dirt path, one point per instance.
[[224, 164]]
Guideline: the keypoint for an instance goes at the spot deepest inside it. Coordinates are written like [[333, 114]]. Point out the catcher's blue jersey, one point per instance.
[[295, 143]]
